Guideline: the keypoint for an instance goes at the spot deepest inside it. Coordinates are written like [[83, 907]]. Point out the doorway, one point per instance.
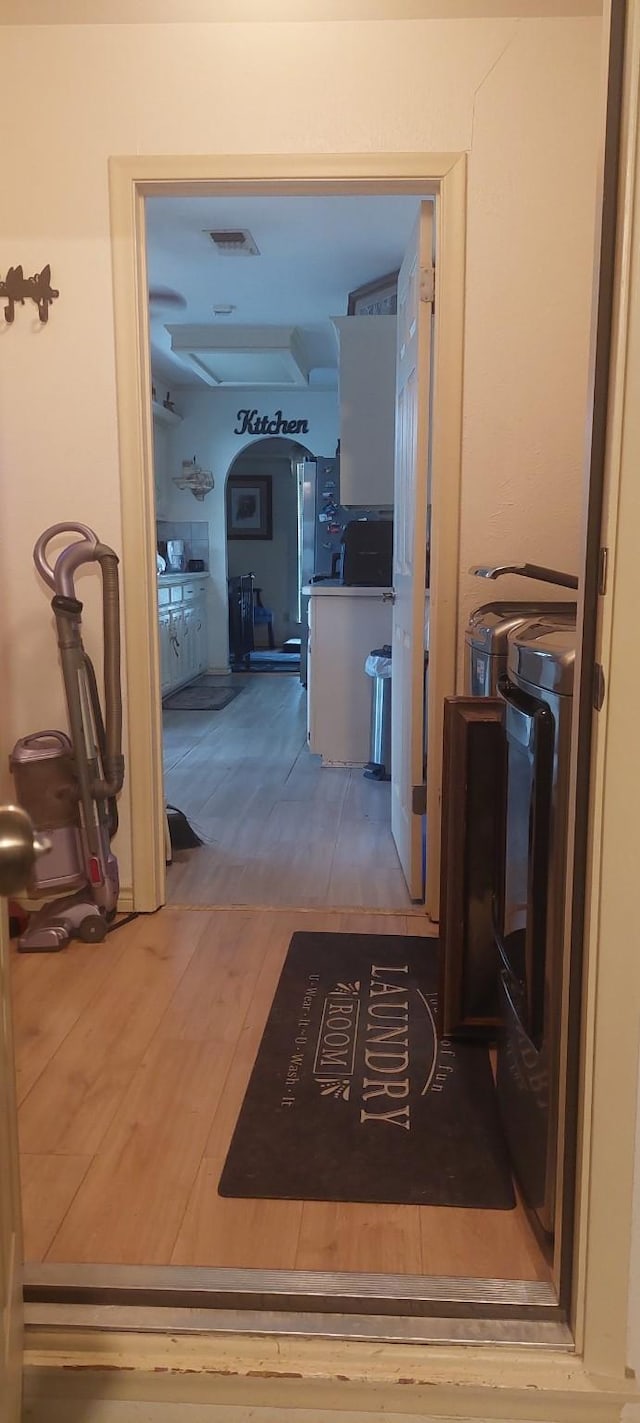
[[444, 178], [347, 401]]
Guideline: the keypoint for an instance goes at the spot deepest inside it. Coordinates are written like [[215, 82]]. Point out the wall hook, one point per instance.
[[16, 287]]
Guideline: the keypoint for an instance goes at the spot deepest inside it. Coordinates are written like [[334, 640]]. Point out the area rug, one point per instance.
[[201, 697], [272, 662], [354, 1098]]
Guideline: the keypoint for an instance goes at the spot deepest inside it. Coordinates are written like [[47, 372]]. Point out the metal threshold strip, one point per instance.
[[359, 1328], [400, 1308]]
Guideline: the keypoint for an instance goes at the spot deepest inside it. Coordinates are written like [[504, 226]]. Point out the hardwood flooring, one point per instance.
[[133, 1058], [281, 828]]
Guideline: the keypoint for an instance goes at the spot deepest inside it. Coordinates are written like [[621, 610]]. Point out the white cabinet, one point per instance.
[[163, 419], [182, 615], [345, 624], [367, 379], [166, 653]]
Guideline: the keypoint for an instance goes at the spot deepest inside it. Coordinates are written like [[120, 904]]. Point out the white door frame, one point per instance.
[[131, 181]]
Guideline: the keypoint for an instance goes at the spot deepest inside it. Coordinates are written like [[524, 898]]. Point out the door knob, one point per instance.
[[20, 847]]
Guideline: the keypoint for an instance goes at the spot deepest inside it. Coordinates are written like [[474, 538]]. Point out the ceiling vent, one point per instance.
[[234, 241]]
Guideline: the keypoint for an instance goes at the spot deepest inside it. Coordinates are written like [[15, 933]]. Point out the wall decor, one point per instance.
[[249, 506], [199, 481], [379, 298], [251, 423], [17, 288]]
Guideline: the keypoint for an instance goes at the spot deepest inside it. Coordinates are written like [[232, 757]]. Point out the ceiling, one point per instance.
[[312, 251], [96, 12]]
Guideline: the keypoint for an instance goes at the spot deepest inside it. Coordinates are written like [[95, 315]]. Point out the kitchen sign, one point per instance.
[[250, 422]]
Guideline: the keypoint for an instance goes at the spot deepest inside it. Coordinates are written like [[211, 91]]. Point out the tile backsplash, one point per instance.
[[195, 536]]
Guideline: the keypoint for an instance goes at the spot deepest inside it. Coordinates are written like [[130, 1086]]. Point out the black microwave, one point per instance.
[[366, 559]]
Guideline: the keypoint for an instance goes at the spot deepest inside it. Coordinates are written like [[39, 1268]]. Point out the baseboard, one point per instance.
[[31, 906]]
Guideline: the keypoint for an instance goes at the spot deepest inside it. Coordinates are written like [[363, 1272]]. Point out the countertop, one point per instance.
[[331, 589], [180, 578]]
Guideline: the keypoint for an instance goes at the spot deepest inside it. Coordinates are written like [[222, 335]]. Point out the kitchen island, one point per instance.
[[345, 625]]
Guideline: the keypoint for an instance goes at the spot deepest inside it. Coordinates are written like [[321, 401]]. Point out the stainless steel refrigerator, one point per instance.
[[321, 520], [321, 523]]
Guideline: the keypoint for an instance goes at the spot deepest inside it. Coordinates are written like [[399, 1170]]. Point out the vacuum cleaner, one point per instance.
[[68, 784]]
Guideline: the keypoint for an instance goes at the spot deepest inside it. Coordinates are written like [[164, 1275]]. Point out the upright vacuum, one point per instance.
[[68, 783]]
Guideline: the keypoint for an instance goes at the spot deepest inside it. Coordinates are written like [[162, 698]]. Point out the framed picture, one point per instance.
[[249, 506], [379, 298], [473, 788]]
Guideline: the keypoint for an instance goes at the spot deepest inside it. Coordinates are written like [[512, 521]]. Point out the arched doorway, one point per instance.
[[263, 539]]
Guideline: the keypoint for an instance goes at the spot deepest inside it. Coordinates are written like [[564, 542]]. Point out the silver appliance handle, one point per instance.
[[526, 570]]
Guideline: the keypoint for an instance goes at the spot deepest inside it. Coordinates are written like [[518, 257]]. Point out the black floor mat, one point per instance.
[[352, 1096], [201, 697]]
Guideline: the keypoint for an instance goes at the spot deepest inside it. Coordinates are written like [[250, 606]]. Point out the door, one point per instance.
[[413, 378], [16, 843]]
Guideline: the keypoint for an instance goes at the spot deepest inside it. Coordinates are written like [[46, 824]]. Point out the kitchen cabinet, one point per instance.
[[367, 383], [182, 628], [163, 420], [345, 624]]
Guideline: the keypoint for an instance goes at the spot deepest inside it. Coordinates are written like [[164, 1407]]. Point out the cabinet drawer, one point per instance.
[[163, 597], [176, 592]]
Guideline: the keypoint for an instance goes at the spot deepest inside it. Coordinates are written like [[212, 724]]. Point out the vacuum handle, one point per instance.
[[82, 550]]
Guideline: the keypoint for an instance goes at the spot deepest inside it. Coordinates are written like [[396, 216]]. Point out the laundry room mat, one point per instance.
[[201, 696], [354, 1098]]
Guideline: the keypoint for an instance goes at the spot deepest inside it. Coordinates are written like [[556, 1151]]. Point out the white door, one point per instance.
[[413, 376], [10, 1217]]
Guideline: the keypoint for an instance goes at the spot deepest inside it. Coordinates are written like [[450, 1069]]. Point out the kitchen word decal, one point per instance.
[[251, 423]]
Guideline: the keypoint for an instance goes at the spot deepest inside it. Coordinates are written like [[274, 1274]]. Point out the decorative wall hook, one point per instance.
[[16, 287]]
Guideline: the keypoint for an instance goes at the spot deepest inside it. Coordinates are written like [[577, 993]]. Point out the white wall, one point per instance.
[[208, 432], [529, 272], [520, 96]]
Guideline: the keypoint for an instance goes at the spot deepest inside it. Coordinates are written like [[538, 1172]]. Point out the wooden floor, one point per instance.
[[283, 829], [133, 1058]]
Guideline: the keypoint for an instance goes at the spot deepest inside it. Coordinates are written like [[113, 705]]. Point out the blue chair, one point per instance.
[[263, 617]]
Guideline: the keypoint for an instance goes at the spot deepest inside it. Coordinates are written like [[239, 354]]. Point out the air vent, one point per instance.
[[234, 241]]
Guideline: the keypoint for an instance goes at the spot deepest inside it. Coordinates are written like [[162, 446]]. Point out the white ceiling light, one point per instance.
[[243, 355], [234, 242]]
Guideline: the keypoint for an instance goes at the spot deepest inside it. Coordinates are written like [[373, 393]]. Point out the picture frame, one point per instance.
[[378, 298], [473, 791], [249, 506]]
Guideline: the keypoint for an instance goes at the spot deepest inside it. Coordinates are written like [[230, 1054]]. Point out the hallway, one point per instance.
[[282, 830]]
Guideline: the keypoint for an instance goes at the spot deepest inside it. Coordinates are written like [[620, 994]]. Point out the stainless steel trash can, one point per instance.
[[378, 668]]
